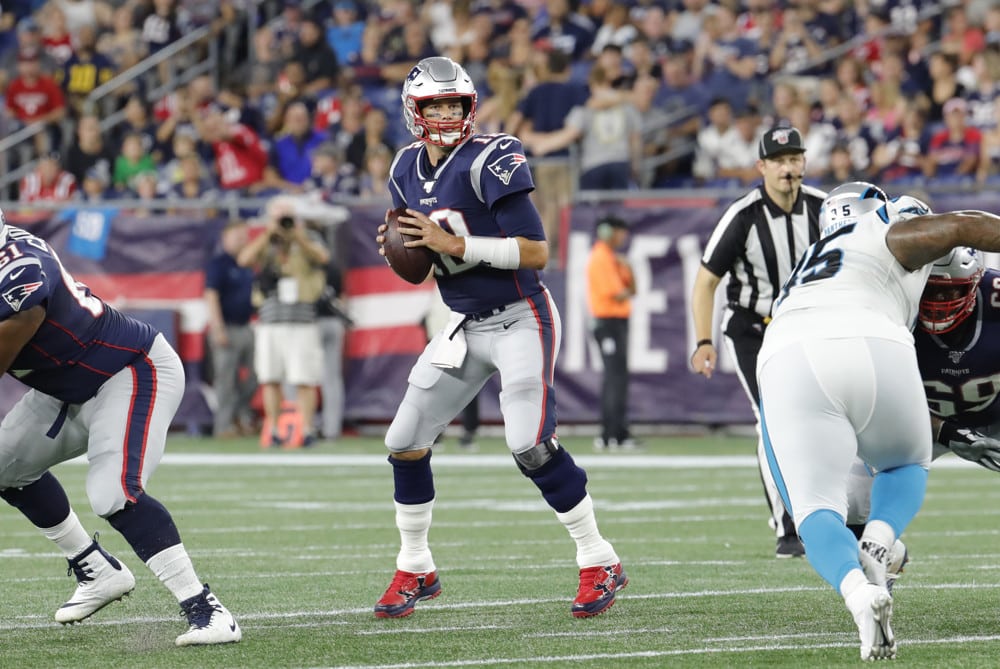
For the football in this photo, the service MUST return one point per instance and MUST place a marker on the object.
(411, 264)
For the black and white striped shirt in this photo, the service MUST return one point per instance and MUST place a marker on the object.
(758, 244)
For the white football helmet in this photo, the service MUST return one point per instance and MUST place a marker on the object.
(847, 203)
(439, 78)
(905, 207)
(950, 294)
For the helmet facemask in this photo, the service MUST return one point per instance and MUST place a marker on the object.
(950, 295)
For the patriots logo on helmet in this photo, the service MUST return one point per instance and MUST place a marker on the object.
(16, 296)
(414, 73)
(504, 167)
(780, 136)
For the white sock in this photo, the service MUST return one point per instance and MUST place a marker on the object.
(174, 569)
(880, 532)
(854, 580)
(68, 535)
(414, 523)
(592, 550)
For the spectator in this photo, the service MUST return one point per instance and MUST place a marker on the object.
(498, 110)
(344, 35)
(332, 176)
(138, 121)
(984, 101)
(290, 157)
(954, 151)
(989, 153)
(318, 60)
(85, 70)
(610, 288)
(564, 30)
(228, 289)
(165, 25)
(375, 175)
(800, 45)
(133, 160)
(193, 182)
(33, 97)
(885, 114)
(615, 29)
(685, 100)
(89, 151)
(144, 187)
(825, 107)
(842, 167)
(239, 156)
(185, 144)
(818, 138)
(123, 44)
(642, 61)
(48, 182)
(95, 185)
(414, 46)
(56, 39)
(850, 75)
(725, 150)
(289, 280)
(688, 23)
(374, 133)
(959, 37)
(366, 65)
(944, 87)
(902, 156)
(94, 14)
(611, 145)
(28, 38)
(543, 110)
(854, 133)
(726, 62)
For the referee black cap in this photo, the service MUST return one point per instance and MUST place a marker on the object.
(779, 140)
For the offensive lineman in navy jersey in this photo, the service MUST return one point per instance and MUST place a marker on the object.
(105, 385)
(467, 199)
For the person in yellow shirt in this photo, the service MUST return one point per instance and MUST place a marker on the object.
(610, 287)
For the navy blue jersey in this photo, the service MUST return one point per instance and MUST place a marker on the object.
(82, 341)
(459, 195)
(963, 383)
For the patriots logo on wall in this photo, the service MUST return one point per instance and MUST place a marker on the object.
(16, 296)
(504, 167)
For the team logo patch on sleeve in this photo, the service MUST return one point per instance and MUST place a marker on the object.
(16, 296)
(504, 167)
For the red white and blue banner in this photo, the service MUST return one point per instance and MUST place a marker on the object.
(153, 266)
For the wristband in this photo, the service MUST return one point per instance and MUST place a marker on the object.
(950, 432)
(702, 342)
(499, 253)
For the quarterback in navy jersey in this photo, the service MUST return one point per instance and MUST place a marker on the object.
(105, 385)
(467, 199)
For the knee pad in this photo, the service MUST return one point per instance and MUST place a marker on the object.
(537, 456)
(562, 482)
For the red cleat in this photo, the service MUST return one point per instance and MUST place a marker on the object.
(405, 591)
(598, 586)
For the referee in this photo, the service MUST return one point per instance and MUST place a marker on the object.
(757, 242)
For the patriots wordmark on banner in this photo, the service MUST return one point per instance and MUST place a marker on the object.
(504, 167)
(16, 296)
(955, 356)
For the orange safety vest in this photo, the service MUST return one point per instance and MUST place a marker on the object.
(607, 276)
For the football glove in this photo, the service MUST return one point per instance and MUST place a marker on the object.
(971, 445)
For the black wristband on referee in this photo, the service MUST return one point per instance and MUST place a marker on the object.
(702, 342)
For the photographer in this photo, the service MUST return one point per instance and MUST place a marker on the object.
(290, 261)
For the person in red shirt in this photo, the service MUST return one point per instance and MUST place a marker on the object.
(240, 157)
(34, 97)
(49, 181)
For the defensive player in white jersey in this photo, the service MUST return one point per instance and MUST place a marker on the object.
(838, 379)
(104, 385)
(467, 198)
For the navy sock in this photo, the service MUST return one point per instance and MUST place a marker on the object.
(413, 480)
(146, 526)
(43, 502)
(562, 482)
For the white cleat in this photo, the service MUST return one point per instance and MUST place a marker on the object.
(871, 607)
(101, 579)
(209, 621)
(874, 558)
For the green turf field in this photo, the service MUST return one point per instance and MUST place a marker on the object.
(299, 545)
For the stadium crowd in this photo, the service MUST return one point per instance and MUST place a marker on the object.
(897, 91)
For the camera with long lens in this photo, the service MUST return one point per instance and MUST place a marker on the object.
(286, 222)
